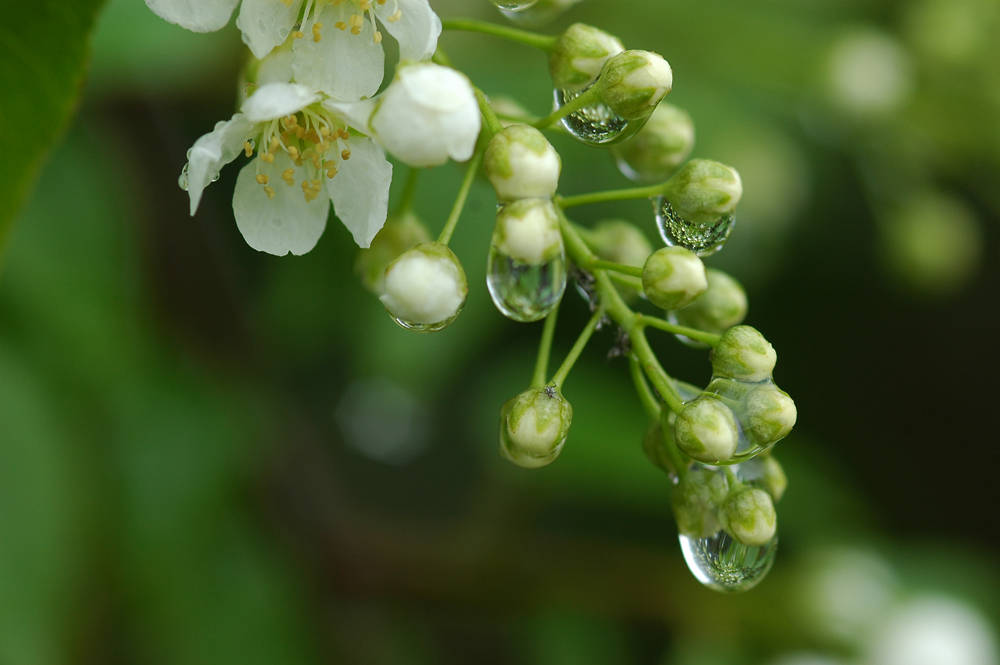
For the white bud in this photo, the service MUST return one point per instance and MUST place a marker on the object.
(528, 231)
(771, 414)
(703, 191)
(743, 354)
(722, 306)
(522, 164)
(748, 515)
(673, 277)
(425, 288)
(632, 83)
(579, 55)
(534, 426)
(659, 148)
(706, 430)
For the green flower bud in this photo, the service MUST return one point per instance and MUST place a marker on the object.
(706, 430)
(747, 514)
(522, 164)
(534, 426)
(722, 306)
(619, 241)
(579, 55)
(703, 191)
(659, 148)
(632, 83)
(695, 500)
(673, 277)
(770, 413)
(528, 231)
(774, 480)
(743, 354)
(425, 287)
(400, 233)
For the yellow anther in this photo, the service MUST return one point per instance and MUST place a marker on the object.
(248, 148)
(345, 155)
(266, 157)
(262, 179)
(298, 34)
(317, 162)
(300, 132)
(315, 30)
(288, 175)
(395, 16)
(273, 146)
(269, 191)
(381, 2)
(293, 152)
(331, 172)
(343, 133)
(356, 21)
(287, 3)
(325, 131)
(290, 122)
(378, 37)
(340, 25)
(365, 5)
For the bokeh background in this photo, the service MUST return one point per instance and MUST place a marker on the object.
(211, 455)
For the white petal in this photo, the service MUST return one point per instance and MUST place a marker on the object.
(417, 30)
(286, 223)
(266, 24)
(357, 114)
(360, 191)
(210, 153)
(276, 100)
(196, 15)
(275, 68)
(345, 66)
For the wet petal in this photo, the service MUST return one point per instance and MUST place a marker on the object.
(195, 15)
(360, 191)
(210, 153)
(276, 100)
(282, 224)
(345, 66)
(266, 23)
(417, 29)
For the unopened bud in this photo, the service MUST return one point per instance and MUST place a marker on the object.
(722, 305)
(770, 413)
(654, 445)
(703, 191)
(528, 231)
(659, 148)
(706, 430)
(774, 480)
(632, 83)
(579, 54)
(522, 164)
(748, 515)
(673, 277)
(534, 426)
(425, 287)
(743, 354)
(695, 500)
(400, 233)
(619, 241)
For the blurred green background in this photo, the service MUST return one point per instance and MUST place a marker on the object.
(211, 455)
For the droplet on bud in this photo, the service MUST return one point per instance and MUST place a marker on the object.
(425, 288)
(698, 206)
(510, 6)
(533, 12)
(702, 239)
(594, 125)
(720, 562)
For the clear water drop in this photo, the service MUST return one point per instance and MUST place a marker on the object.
(593, 125)
(721, 563)
(736, 394)
(523, 291)
(702, 239)
(509, 6)
(426, 327)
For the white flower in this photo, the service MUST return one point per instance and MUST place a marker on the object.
(305, 158)
(427, 114)
(338, 45)
(425, 287)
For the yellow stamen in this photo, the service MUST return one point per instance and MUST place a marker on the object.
(396, 16)
(378, 37)
(315, 30)
(262, 179)
(248, 148)
(340, 25)
(298, 34)
(270, 192)
(288, 175)
(345, 155)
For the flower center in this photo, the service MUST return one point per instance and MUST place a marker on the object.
(352, 16)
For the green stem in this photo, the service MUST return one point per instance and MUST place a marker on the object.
(463, 194)
(545, 350)
(613, 195)
(543, 42)
(409, 191)
(633, 283)
(698, 335)
(574, 353)
(651, 365)
(598, 264)
(492, 121)
(589, 97)
(652, 407)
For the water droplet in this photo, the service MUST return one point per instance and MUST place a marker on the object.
(702, 239)
(523, 291)
(736, 394)
(426, 327)
(506, 6)
(593, 125)
(532, 13)
(721, 563)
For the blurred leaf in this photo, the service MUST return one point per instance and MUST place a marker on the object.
(43, 47)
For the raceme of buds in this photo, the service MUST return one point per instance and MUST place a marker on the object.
(706, 430)
(579, 54)
(770, 413)
(703, 191)
(743, 354)
(619, 241)
(659, 148)
(528, 231)
(695, 499)
(522, 164)
(425, 287)
(534, 427)
(747, 514)
(632, 83)
(722, 305)
(400, 233)
(673, 277)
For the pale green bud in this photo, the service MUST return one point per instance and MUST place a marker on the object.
(770, 413)
(528, 231)
(703, 191)
(722, 306)
(653, 446)
(673, 277)
(632, 83)
(706, 430)
(579, 55)
(425, 287)
(774, 480)
(400, 233)
(743, 354)
(748, 515)
(695, 500)
(534, 427)
(659, 148)
(522, 164)
(620, 241)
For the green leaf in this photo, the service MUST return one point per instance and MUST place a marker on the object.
(43, 56)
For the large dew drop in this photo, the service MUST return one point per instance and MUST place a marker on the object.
(424, 327)
(749, 403)
(593, 125)
(512, 7)
(522, 291)
(702, 239)
(721, 563)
